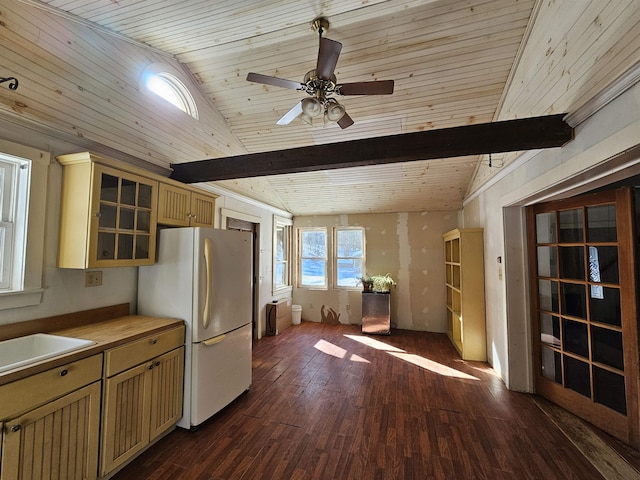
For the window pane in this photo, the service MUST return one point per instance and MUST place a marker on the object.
(109, 188)
(549, 329)
(106, 246)
(125, 247)
(574, 300)
(548, 295)
(607, 347)
(279, 274)
(609, 390)
(576, 376)
(601, 223)
(144, 195)
(313, 272)
(605, 305)
(142, 246)
(127, 216)
(143, 221)
(314, 244)
(546, 227)
(108, 214)
(349, 243)
(280, 244)
(551, 365)
(128, 193)
(547, 262)
(603, 264)
(349, 271)
(572, 262)
(575, 338)
(570, 223)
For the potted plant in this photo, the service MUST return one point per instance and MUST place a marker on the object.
(367, 283)
(382, 283)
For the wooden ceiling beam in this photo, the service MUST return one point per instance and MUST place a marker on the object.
(496, 137)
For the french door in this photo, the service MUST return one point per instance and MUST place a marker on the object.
(585, 329)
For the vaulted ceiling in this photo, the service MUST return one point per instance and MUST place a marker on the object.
(454, 63)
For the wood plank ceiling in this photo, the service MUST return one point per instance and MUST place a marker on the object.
(453, 62)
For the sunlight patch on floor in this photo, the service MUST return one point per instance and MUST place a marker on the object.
(417, 360)
(371, 342)
(432, 366)
(338, 352)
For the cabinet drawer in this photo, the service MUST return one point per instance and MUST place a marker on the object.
(121, 358)
(27, 393)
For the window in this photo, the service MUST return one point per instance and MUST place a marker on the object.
(349, 256)
(158, 79)
(348, 265)
(281, 253)
(23, 187)
(313, 257)
(14, 178)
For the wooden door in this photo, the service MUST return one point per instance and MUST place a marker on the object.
(125, 430)
(582, 266)
(58, 441)
(166, 391)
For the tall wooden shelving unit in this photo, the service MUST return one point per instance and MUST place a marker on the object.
(464, 283)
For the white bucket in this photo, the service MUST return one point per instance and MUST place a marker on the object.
(296, 314)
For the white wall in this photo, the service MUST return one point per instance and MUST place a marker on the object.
(581, 165)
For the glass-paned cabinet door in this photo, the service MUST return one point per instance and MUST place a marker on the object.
(125, 208)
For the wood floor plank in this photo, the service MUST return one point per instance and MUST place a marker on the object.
(330, 403)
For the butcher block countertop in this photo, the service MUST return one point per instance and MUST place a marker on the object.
(107, 334)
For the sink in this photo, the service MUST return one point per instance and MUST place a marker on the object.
(21, 351)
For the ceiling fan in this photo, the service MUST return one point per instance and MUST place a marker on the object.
(321, 84)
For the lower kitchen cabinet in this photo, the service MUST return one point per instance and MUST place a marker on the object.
(143, 401)
(57, 439)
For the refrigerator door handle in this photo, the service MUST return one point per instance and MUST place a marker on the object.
(214, 340)
(208, 259)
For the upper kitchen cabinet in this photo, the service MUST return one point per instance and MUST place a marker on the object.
(108, 215)
(181, 206)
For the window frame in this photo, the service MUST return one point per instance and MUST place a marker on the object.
(300, 232)
(336, 257)
(286, 226)
(28, 248)
(174, 80)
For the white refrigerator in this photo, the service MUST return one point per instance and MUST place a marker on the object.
(204, 276)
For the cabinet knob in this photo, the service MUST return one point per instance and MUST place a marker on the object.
(153, 341)
(150, 367)
(157, 364)
(63, 372)
(98, 214)
(15, 428)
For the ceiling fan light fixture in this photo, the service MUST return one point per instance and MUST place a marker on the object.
(334, 111)
(306, 119)
(312, 107)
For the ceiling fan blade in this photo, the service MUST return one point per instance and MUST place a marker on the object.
(275, 81)
(381, 87)
(328, 54)
(291, 115)
(345, 121)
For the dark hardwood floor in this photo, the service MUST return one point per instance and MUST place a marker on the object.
(329, 403)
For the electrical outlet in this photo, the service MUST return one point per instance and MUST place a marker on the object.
(93, 278)
(348, 307)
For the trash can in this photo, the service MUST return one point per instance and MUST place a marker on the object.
(296, 314)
